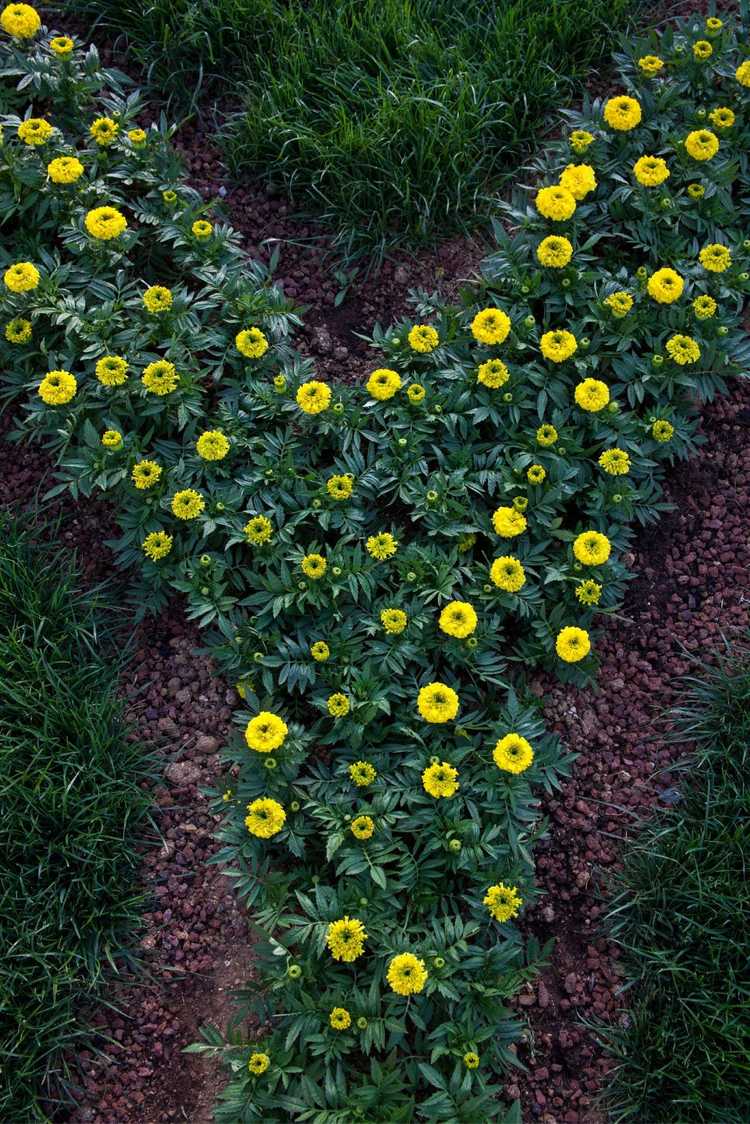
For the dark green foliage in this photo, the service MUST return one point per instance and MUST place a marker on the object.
(70, 808)
(683, 916)
(390, 119)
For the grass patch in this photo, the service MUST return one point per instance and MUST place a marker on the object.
(682, 915)
(70, 807)
(391, 119)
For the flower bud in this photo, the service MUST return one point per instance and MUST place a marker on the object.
(258, 657)
(270, 762)
(205, 559)
(507, 397)
(205, 591)
(294, 971)
(530, 321)
(438, 962)
(657, 360)
(455, 845)
(411, 576)
(294, 806)
(362, 1023)
(338, 407)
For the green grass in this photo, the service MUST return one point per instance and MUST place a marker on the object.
(682, 915)
(70, 810)
(391, 120)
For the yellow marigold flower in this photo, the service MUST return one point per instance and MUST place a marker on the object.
(313, 397)
(415, 393)
(61, 45)
(619, 303)
(466, 542)
(490, 326)
(265, 732)
(702, 50)
(592, 395)
(137, 137)
(340, 487)
(187, 504)
(157, 298)
(20, 20)
(346, 939)
(265, 818)
(556, 203)
(35, 131)
(557, 346)
(704, 307)
(314, 566)
(651, 171)
(258, 1064)
(362, 773)
(104, 130)
(592, 548)
(252, 343)
(437, 703)
(665, 286)
(65, 169)
(381, 546)
(407, 974)
(650, 65)
(722, 117)
(394, 621)
(615, 461)
(546, 435)
(337, 705)
(622, 113)
(169, 196)
(683, 349)
(503, 902)
(458, 619)
(383, 384)
(508, 574)
(580, 139)
(362, 827)
(112, 370)
(111, 439)
(696, 190)
(508, 522)
(18, 330)
(713, 25)
(21, 277)
(212, 445)
(493, 373)
(258, 530)
(160, 377)
(662, 430)
(157, 545)
(202, 229)
(572, 644)
(57, 388)
(742, 73)
(702, 144)
(105, 223)
(536, 474)
(554, 251)
(423, 337)
(513, 754)
(588, 592)
(440, 780)
(340, 1019)
(320, 651)
(145, 474)
(471, 1060)
(715, 257)
(579, 180)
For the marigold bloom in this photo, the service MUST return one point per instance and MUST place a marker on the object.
(536, 474)
(157, 298)
(337, 705)
(20, 20)
(252, 343)
(546, 435)
(137, 137)
(105, 223)
(265, 732)
(589, 592)
(503, 902)
(415, 393)
(65, 169)
(313, 397)
(423, 338)
(383, 384)
(258, 1064)
(554, 251)
(458, 619)
(340, 487)
(201, 229)
(579, 180)
(437, 703)
(340, 1019)
(471, 1060)
(508, 522)
(18, 330)
(622, 113)
(362, 827)
(111, 439)
(440, 780)
(61, 45)
(722, 117)
(362, 773)
(493, 374)
(160, 377)
(258, 530)
(696, 190)
(314, 566)
(683, 349)
(592, 395)
(508, 574)
(265, 818)
(21, 277)
(212, 445)
(702, 144)
(104, 130)
(572, 644)
(346, 939)
(592, 548)
(187, 504)
(742, 73)
(615, 461)
(381, 546)
(145, 474)
(490, 326)
(393, 621)
(651, 171)
(157, 545)
(650, 65)
(715, 257)
(665, 286)
(557, 346)
(704, 307)
(513, 754)
(580, 139)
(407, 974)
(320, 651)
(662, 430)
(57, 388)
(702, 50)
(619, 303)
(35, 131)
(556, 203)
